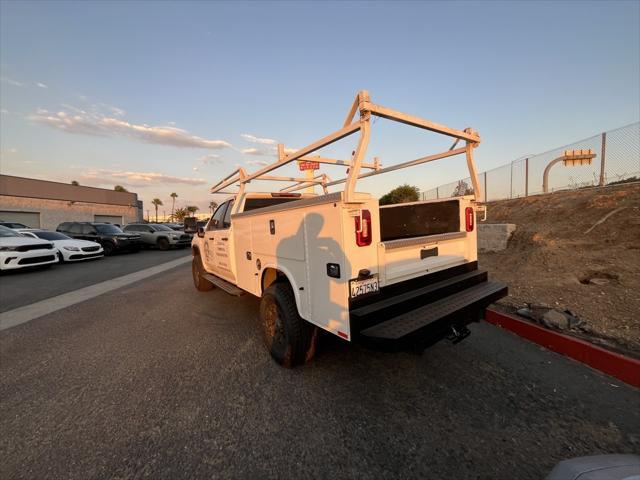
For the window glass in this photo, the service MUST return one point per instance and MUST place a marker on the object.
(87, 229)
(227, 216)
(106, 228)
(255, 203)
(216, 220)
(75, 228)
(7, 232)
(51, 235)
(131, 228)
(161, 228)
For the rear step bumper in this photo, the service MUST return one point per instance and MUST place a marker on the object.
(426, 315)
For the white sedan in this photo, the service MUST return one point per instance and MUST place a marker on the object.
(69, 249)
(17, 251)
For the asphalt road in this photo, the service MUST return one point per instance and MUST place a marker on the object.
(26, 286)
(158, 381)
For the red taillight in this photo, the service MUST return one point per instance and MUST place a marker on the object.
(468, 219)
(363, 229)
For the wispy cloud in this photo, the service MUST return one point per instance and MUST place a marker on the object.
(257, 163)
(137, 179)
(11, 81)
(256, 151)
(78, 121)
(211, 158)
(254, 139)
(41, 85)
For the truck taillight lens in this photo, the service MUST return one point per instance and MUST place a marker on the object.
(363, 228)
(469, 219)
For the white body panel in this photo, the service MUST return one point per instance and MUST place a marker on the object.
(299, 239)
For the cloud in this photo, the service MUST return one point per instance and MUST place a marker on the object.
(41, 85)
(77, 121)
(11, 81)
(257, 163)
(211, 158)
(137, 179)
(255, 151)
(254, 139)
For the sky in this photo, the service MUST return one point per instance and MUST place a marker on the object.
(165, 97)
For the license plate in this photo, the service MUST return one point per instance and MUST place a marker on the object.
(359, 288)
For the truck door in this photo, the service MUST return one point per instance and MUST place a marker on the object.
(212, 227)
(223, 243)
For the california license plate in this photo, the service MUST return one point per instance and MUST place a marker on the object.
(359, 288)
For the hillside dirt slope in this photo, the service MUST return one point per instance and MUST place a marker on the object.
(552, 261)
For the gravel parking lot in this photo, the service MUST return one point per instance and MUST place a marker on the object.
(158, 380)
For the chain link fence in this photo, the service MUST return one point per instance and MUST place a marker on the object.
(617, 160)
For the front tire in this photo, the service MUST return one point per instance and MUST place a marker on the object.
(197, 270)
(109, 248)
(290, 339)
(163, 244)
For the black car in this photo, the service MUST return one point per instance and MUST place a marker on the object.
(111, 237)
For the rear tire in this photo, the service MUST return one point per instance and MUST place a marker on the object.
(163, 244)
(197, 271)
(290, 339)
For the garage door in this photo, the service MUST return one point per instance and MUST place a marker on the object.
(108, 219)
(30, 219)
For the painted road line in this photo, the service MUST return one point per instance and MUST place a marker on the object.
(619, 366)
(27, 313)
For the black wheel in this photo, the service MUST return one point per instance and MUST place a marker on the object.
(197, 270)
(60, 258)
(109, 248)
(163, 244)
(290, 339)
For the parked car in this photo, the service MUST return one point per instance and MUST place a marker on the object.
(179, 227)
(112, 238)
(69, 249)
(159, 235)
(17, 251)
(13, 225)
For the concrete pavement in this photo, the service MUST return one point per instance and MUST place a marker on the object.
(158, 380)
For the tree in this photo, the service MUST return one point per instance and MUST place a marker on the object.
(180, 214)
(173, 196)
(156, 202)
(212, 206)
(192, 209)
(75, 183)
(120, 188)
(462, 188)
(402, 194)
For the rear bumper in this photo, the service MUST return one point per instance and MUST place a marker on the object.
(421, 313)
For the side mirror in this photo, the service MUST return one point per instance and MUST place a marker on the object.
(201, 232)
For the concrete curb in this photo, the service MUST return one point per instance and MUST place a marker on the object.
(623, 368)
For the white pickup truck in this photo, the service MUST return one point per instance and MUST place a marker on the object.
(391, 276)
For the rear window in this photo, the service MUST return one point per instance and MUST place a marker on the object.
(255, 203)
(107, 228)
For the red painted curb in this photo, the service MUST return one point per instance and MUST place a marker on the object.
(623, 368)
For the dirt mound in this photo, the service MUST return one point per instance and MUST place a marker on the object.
(576, 250)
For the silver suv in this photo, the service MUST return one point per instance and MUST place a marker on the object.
(159, 235)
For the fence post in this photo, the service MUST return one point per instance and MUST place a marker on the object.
(511, 183)
(437, 193)
(526, 177)
(485, 188)
(602, 158)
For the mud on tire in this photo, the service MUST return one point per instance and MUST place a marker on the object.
(197, 271)
(290, 339)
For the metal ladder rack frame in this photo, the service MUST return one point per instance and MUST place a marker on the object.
(362, 105)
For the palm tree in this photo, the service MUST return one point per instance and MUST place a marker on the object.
(192, 209)
(212, 206)
(180, 214)
(173, 196)
(120, 188)
(156, 202)
(75, 183)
